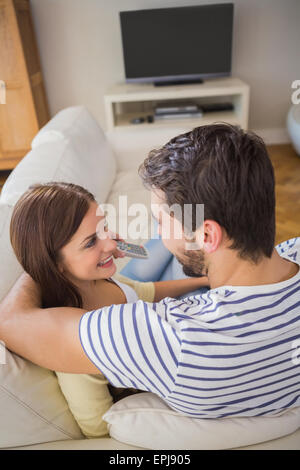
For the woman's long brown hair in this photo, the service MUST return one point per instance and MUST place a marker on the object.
(43, 221)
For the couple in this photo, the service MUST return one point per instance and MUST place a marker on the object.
(226, 352)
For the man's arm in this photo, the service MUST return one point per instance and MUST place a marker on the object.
(48, 337)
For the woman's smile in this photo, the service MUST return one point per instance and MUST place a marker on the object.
(106, 263)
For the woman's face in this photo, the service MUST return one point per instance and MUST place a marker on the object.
(87, 256)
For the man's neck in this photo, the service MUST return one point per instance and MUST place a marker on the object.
(226, 268)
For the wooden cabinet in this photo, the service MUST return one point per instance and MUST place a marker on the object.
(25, 109)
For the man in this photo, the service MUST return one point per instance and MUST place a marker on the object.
(228, 352)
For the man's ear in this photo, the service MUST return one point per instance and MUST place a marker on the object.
(212, 236)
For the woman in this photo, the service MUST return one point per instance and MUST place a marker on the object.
(54, 233)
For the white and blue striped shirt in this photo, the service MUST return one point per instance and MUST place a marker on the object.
(228, 352)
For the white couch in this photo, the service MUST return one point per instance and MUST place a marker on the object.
(33, 412)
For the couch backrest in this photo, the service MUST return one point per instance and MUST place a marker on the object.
(72, 148)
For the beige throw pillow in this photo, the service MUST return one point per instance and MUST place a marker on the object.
(145, 420)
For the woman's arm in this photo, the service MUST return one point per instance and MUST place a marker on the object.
(178, 287)
(47, 337)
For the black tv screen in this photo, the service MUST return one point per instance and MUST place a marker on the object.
(171, 44)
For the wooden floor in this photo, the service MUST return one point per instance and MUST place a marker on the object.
(287, 173)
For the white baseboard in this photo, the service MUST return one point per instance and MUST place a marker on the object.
(274, 136)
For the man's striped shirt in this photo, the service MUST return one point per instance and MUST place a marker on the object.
(233, 351)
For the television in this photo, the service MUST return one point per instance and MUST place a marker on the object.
(183, 44)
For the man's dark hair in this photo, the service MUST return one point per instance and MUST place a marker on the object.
(230, 172)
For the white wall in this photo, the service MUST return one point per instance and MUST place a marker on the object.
(81, 53)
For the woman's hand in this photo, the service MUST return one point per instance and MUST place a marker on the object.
(194, 283)
(178, 287)
(203, 281)
(117, 253)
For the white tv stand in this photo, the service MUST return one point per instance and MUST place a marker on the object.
(125, 102)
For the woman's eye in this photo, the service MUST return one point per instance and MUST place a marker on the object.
(91, 243)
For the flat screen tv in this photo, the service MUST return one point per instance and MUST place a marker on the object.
(184, 44)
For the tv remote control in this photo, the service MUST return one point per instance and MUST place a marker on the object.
(132, 250)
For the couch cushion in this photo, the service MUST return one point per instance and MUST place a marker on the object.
(72, 148)
(289, 442)
(145, 420)
(102, 443)
(32, 407)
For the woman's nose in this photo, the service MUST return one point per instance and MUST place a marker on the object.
(109, 244)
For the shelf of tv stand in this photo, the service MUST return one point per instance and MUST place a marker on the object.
(123, 122)
(125, 102)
